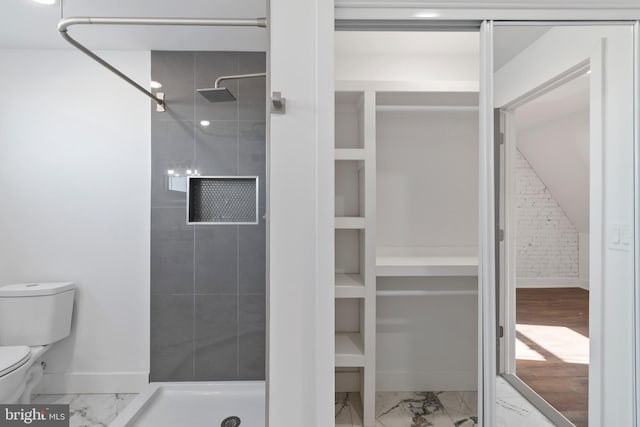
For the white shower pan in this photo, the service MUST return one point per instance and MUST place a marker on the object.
(196, 404)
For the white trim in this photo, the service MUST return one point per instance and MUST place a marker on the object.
(550, 282)
(93, 382)
(636, 81)
(510, 259)
(596, 232)
(486, 238)
(487, 5)
(546, 13)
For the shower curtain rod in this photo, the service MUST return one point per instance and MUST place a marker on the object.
(64, 24)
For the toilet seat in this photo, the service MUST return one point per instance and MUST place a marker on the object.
(12, 357)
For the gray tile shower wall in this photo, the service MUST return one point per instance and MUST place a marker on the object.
(207, 281)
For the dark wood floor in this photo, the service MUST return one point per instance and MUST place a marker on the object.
(561, 383)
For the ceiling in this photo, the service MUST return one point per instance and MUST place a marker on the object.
(508, 41)
(29, 25)
(567, 99)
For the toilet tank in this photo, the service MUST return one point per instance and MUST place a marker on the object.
(35, 313)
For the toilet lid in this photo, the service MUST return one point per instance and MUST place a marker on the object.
(12, 357)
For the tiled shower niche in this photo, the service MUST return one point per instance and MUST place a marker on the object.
(222, 200)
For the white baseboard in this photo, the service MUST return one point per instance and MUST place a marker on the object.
(426, 381)
(545, 282)
(92, 382)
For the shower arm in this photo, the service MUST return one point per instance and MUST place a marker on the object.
(236, 77)
(64, 24)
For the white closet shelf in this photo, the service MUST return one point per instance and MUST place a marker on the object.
(349, 350)
(349, 286)
(427, 108)
(349, 154)
(349, 222)
(421, 261)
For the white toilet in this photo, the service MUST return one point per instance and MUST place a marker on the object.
(32, 317)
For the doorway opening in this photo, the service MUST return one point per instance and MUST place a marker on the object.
(552, 243)
(546, 197)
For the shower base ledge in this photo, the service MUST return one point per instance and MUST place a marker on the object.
(195, 404)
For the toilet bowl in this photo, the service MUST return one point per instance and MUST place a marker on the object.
(32, 317)
(20, 372)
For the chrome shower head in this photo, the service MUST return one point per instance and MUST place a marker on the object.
(217, 94)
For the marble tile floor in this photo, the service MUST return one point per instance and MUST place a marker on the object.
(88, 410)
(405, 409)
(411, 409)
(514, 410)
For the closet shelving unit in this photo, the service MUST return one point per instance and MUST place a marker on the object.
(355, 245)
(387, 227)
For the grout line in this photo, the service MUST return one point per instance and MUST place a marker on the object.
(194, 227)
(238, 227)
(217, 121)
(250, 294)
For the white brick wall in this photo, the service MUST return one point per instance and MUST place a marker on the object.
(547, 242)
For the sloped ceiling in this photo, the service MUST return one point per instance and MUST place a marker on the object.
(509, 41)
(29, 25)
(553, 135)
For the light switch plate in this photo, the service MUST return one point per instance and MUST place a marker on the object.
(619, 237)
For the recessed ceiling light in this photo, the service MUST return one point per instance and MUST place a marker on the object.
(49, 2)
(205, 123)
(155, 84)
(426, 14)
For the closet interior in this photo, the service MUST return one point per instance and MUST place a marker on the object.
(406, 214)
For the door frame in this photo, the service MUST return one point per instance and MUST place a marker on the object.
(507, 287)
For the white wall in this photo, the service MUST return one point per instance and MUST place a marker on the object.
(547, 241)
(417, 69)
(74, 189)
(427, 342)
(300, 158)
(427, 169)
(438, 61)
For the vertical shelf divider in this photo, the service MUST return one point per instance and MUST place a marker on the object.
(368, 391)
